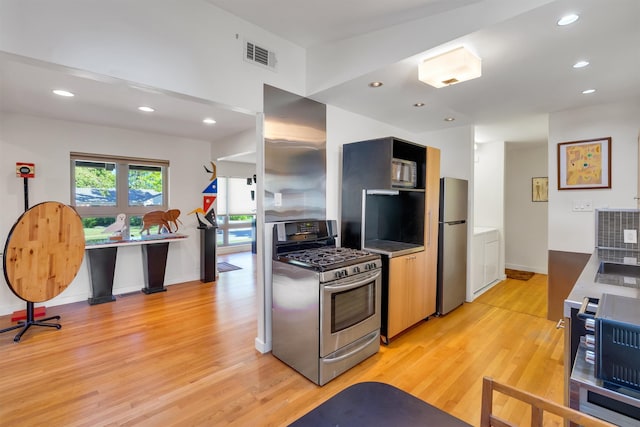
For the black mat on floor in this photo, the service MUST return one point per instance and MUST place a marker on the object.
(376, 404)
(225, 266)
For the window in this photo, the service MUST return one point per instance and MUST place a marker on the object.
(104, 186)
(236, 211)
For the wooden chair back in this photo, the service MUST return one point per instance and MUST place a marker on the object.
(538, 407)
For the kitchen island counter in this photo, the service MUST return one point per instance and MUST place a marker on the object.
(593, 284)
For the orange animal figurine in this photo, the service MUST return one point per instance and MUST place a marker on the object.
(162, 219)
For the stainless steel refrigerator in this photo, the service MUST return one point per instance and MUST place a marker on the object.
(452, 245)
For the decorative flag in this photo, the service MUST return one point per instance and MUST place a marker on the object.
(212, 188)
(207, 201)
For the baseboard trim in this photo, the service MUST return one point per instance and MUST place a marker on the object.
(261, 346)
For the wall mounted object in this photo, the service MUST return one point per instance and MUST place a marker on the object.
(540, 189)
(584, 164)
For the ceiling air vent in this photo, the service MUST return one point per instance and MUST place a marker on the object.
(259, 55)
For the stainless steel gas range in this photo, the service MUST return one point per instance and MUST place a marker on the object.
(326, 301)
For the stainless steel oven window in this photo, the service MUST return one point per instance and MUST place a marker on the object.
(351, 307)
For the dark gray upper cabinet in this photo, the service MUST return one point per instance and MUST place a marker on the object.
(369, 165)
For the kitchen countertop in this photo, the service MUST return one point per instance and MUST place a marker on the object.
(593, 284)
(482, 230)
(141, 240)
(391, 248)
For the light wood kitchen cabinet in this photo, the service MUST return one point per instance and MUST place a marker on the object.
(408, 297)
(398, 221)
(412, 278)
(432, 208)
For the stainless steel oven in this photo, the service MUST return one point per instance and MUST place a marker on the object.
(326, 301)
(605, 379)
(350, 309)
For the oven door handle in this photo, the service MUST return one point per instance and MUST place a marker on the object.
(588, 309)
(346, 284)
(373, 336)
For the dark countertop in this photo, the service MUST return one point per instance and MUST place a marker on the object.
(391, 248)
(593, 284)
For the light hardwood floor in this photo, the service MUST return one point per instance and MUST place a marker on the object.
(187, 357)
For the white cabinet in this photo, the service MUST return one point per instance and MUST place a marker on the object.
(486, 259)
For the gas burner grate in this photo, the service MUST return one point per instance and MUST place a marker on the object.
(326, 256)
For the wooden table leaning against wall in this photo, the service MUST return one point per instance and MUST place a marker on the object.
(101, 263)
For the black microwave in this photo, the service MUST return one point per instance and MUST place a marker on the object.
(403, 173)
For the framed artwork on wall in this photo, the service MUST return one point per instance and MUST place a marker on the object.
(540, 189)
(584, 164)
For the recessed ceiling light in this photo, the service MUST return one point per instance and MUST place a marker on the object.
(568, 19)
(449, 119)
(209, 121)
(588, 91)
(375, 84)
(580, 64)
(146, 109)
(419, 104)
(62, 92)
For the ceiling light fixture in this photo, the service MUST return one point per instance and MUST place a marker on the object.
(568, 19)
(419, 104)
(62, 92)
(146, 109)
(580, 64)
(375, 84)
(588, 91)
(209, 121)
(449, 119)
(457, 65)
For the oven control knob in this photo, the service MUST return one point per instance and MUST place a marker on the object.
(356, 269)
(590, 325)
(590, 341)
(590, 357)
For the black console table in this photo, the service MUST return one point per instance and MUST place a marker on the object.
(101, 262)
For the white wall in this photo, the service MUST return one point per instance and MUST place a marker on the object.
(235, 169)
(456, 152)
(186, 46)
(47, 143)
(488, 185)
(344, 127)
(526, 221)
(241, 143)
(488, 190)
(575, 231)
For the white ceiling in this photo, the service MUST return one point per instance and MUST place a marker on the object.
(527, 71)
(25, 87)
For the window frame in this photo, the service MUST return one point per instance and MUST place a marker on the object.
(224, 224)
(122, 185)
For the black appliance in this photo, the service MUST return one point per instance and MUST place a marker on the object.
(614, 347)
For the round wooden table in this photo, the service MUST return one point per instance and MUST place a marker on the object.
(42, 256)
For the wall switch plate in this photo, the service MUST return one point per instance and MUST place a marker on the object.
(582, 206)
(630, 236)
(277, 200)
